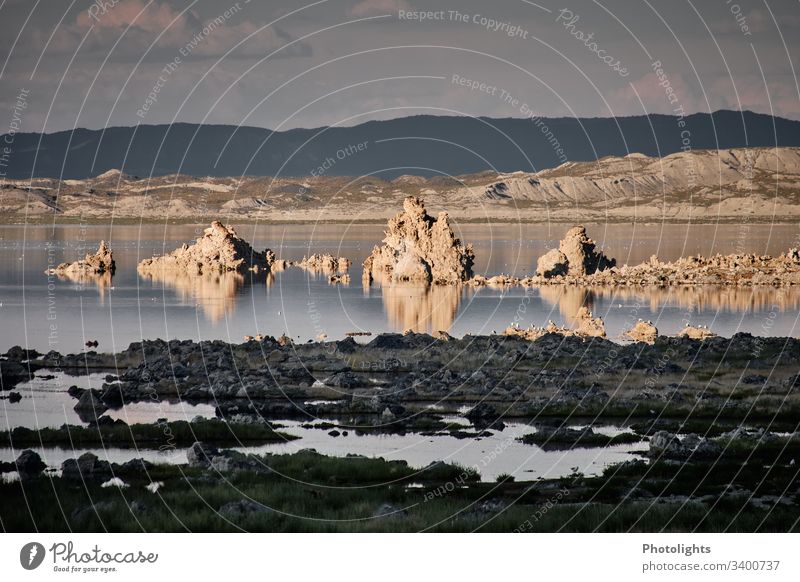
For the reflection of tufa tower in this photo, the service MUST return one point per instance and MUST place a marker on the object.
(569, 300)
(421, 308)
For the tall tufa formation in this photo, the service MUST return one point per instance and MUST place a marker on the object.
(575, 256)
(219, 250)
(99, 263)
(419, 248)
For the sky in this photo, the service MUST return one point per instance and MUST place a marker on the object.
(283, 64)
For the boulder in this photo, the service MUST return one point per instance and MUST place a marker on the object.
(29, 464)
(89, 405)
(552, 264)
(13, 373)
(696, 332)
(643, 331)
(420, 248)
(86, 467)
(669, 446)
(588, 326)
(201, 454)
(219, 250)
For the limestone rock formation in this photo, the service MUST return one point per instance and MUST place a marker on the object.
(552, 264)
(99, 263)
(420, 248)
(326, 263)
(643, 331)
(219, 249)
(696, 332)
(579, 251)
(587, 326)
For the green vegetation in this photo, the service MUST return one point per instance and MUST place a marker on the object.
(309, 492)
(569, 438)
(179, 432)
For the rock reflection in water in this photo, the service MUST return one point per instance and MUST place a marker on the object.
(215, 293)
(568, 299)
(716, 298)
(419, 307)
(101, 282)
(653, 300)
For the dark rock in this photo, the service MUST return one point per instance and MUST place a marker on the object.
(87, 467)
(90, 401)
(12, 373)
(484, 415)
(200, 454)
(20, 354)
(134, 466)
(29, 464)
(343, 380)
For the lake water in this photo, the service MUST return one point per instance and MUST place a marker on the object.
(51, 313)
(45, 403)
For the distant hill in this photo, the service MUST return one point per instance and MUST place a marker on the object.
(752, 184)
(419, 145)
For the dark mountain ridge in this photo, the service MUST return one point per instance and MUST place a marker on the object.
(424, 145)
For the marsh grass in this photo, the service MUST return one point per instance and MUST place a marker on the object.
(309, 492)
(179, 432)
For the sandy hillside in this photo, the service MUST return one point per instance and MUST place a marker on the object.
(759, 184)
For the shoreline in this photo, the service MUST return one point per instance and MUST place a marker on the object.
(713, 412)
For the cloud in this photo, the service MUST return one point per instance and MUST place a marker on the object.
(658, 95)
(132, 27)
(375, 7)
(152, 17)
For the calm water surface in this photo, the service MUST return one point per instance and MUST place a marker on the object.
(61, 314)
(45, 404)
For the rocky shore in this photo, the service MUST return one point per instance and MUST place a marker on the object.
(714, 421)
(394, 379)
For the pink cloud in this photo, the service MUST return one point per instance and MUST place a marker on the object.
(152, 16)
(653, 92)
(373, 7)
